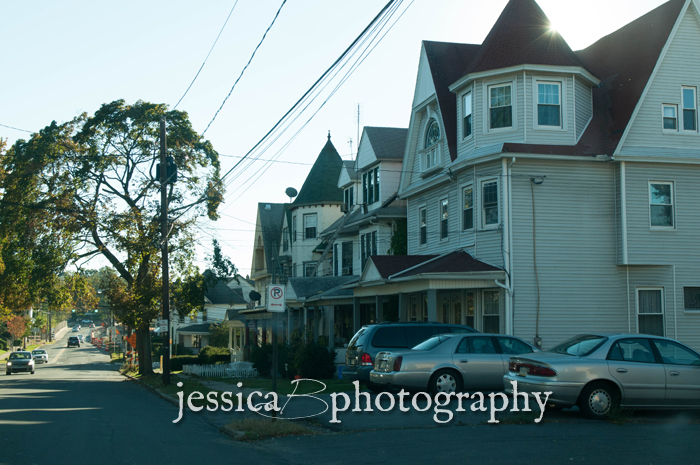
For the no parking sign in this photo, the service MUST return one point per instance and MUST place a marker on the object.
(275, 298)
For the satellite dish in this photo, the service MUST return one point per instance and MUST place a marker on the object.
(291, 192)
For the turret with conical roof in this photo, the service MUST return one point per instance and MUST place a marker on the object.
(321, 185)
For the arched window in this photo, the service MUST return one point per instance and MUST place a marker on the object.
(432, 135)
(431, 156)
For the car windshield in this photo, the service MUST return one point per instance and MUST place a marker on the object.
(38, 352)
(579, 345)
(20, 356)
(431, 343)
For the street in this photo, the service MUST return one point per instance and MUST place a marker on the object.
(79, 408)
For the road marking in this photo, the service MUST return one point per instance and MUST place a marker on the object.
(59, 354)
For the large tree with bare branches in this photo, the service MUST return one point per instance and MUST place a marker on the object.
(96, 176)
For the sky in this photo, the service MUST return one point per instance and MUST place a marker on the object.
(63, 58)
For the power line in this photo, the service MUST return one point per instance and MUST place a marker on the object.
(16, 129)
(246, 66)
(207, 57)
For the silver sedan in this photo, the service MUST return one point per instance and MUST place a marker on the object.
(600, 371)
(450, 363)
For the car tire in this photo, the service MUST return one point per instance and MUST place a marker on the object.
(597, 400)
(8, 373)
(32, 371)
(444, 381)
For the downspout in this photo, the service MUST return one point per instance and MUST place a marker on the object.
(629, 311)
(623, 212)
(675, 310)
(525, 108)
(510, 246)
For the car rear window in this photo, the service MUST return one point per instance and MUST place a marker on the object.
(431, 343)
(580, 346)
(390, 337)
(357, 340)
(417, 334)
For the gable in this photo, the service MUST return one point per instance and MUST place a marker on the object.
(425, 87)
(678, 66)
(365, 154)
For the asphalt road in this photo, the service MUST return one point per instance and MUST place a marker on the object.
(79, 409)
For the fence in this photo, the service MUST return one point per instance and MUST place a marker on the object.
(228, 370)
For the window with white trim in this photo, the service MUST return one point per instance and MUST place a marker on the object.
(691, 299)
(347, 258)
(336, 253)
(294, 228)
(690, 104)
(468, 208)
(467, 111)
(444, 219)
(423, 225)
(285, 239)
(309, 269)
(368, 246)
(370, 186)
(661, 201)
(489, 203)
(650, 311)
(431, 156)
(500, 106)
(670, 116)
(310, 223)
(549, 104)
(349, 197)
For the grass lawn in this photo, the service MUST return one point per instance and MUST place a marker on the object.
(285, 386)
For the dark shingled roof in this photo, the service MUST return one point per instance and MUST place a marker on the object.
(202, 328)
(387, 143)
(309, 287)
(222, 294)
(624, 61)
(447, 62)
(271, 227)
(522, 35)
(321, 185)
(455, 262)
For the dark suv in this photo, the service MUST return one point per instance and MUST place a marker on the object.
(371, 339)
(73, 341)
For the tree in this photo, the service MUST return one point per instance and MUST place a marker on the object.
(18, 326)
(98, 174)
(399, 238)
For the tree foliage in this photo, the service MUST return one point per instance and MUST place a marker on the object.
(18, 326)
(93, 179)
(399, 238)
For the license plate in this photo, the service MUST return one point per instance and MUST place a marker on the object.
(523, 371)
(382, 364)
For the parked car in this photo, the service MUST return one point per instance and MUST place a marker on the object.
(450, 363)
(371, 339)
(600, 371)
(20, 361)
(73, 341)
(40, 356)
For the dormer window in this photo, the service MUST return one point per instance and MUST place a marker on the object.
(501, 106)
(467, 110)
(431, 156)
(370, 186)
(549, 104)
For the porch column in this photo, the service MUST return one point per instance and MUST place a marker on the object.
(230, 342)
(403, 307)
(330, 317)
(305, 322)
(355, 314)
(264, 326)
(317, 319)
(379, 308)
(432, 305)
(289, 323)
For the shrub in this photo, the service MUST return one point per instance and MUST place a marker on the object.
(310, 359)
(178, 361)
(210, 355)
(181, 350)
(262, 359)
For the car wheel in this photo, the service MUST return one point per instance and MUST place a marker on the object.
(597, 400)
(445, 381)
(8, 373)
(32, 371)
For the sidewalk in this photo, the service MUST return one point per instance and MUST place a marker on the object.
(59, 334)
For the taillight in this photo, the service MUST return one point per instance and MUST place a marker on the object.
(366, 359)
(535, 370)
(397, 363)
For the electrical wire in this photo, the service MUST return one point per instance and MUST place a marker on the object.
(16, 129)
(207, 57)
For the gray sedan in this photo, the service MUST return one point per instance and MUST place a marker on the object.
(450, 363)
(602, 370)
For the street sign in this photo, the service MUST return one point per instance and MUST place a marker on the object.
(132, 340)
(276, 298)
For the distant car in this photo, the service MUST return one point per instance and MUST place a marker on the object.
(372, 339)
(82, 338)
(73, 341)
(20, 361)
(450, 363)
(92, 325)
(40, 356)
(600, 371)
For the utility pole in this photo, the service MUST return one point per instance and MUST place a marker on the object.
(275, 261)
(164, 244)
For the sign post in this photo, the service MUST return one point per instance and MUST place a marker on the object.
(275, 303)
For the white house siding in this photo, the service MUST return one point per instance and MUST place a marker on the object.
(302, 249)
(389, 177)
(417, 140)
(584, 106)
(581, 286)
(365, 154)
(680, 67)
(425, 87)
(564, 136)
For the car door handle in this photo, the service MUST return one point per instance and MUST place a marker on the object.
(622, 370)
(674, 373)
(464, 361)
